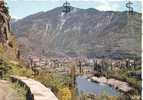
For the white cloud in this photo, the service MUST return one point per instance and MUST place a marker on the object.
(103, 5)
(16, 17)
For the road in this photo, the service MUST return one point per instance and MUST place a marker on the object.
(6, 92)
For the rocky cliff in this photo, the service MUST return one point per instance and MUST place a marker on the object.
(7, 40)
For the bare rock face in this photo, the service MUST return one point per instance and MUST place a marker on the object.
(4, 23)
(86, 32)
(7, 40)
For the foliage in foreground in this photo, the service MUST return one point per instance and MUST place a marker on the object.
(12, 69)
(51, 80)
(20, 90)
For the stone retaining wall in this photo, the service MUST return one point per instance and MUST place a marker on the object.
(36, 91)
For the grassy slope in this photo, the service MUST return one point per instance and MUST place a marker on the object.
(12, 66)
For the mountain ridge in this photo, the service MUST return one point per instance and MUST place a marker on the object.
(86, 32)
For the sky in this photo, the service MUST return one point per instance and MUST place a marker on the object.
(22, 8)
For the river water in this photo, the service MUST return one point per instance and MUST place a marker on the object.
(86, 86)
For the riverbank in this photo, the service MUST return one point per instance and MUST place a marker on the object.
(120, 85)
(89, 87)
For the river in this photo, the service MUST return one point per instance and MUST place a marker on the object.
(86, 86)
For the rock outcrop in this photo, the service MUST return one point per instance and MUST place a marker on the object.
(4, 23)
(7, 40)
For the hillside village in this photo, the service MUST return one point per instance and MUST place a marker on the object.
(45, 63)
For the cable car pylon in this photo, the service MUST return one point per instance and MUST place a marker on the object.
(66, 7)
(130, 9)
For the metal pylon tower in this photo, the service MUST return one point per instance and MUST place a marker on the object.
(66, 7)
(130, 8)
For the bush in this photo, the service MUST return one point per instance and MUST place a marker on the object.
(50, 80)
